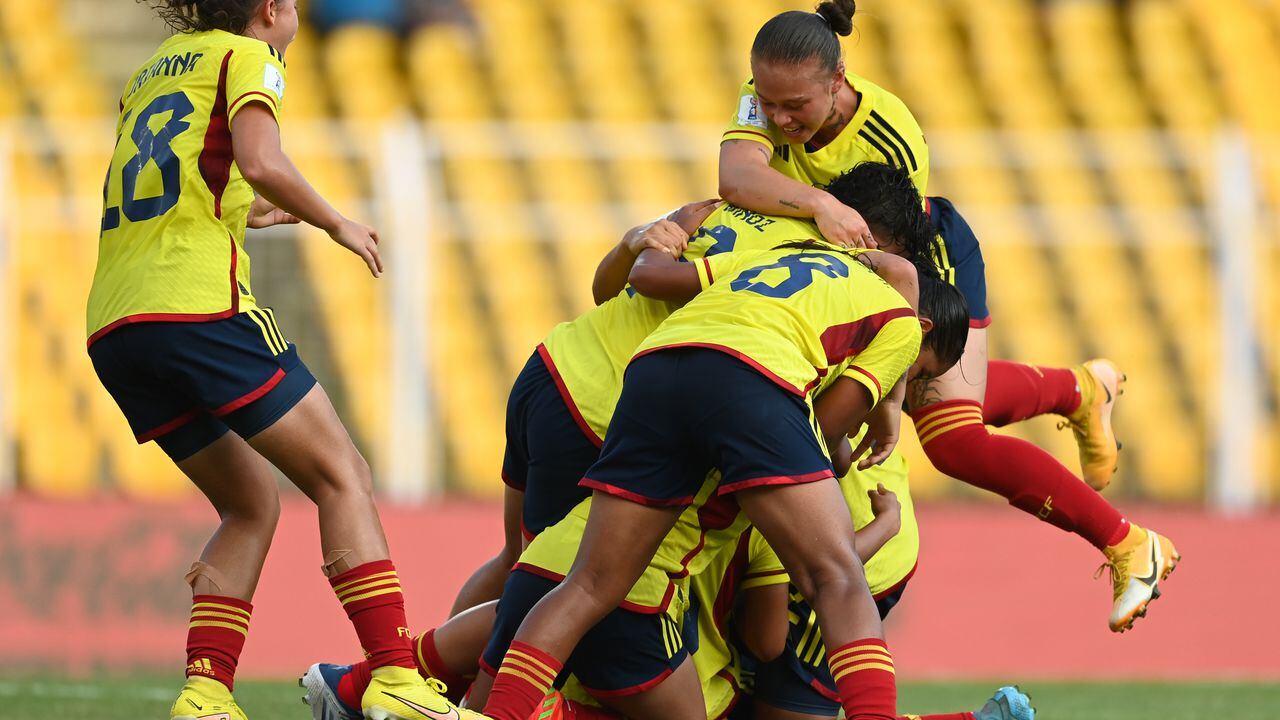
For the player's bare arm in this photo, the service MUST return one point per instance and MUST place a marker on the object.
(887, 522)
(883, 425)
(658, 275)
(747, 180)
(611, 274)
(762, 620)
(840, 410)
(255, 142)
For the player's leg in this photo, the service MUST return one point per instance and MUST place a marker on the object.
(620, 539)
(242, 489)
(949, 422)
(948, 417)
(136, 365)
(820, 556)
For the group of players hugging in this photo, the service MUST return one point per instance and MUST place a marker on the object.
(706, 515)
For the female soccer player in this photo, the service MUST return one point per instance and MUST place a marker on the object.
(803, 119)
(196, 364)
(723, 383)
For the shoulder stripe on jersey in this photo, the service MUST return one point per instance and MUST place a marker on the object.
(888, 157)
(878, 118)
(897, 151)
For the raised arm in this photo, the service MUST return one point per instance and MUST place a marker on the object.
(255, 144)
(611, 274)
(747, 180)
(658, 275)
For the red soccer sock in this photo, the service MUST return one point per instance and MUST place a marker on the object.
(526, 675)
(371, 596)
(430, 664)
(865, 680)
(945, 716)
(1016, 392)
(216, 636)
(352, 685)
(959, 445)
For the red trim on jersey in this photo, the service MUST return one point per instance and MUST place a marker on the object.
(979, 324)
(236, 102)
(711, 280)
(634, 497)
(625, 604)
(524, 532)
(874, 379)
(178, 317)
(848, 339)
(928, 207)
(898, 585)
(250, 397)
(737, 693)
(216, 157)
(775, 480)
(737, 354)
(568, 399)
(749, 132)
(633, 690)
(717, 513)
(168, 427)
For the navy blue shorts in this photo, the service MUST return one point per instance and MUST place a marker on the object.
(799, 679)
(185, 384)
(547, 453)
(959, 258)
(686, 411)
(625, 653)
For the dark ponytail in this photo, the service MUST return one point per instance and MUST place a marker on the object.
(794, 37)
(232, 16)
(944, 304)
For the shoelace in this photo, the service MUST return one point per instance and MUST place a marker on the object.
(437, 685)
(1119, 568)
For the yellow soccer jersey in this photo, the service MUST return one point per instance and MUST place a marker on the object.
(753, 564)
(172, 237)
(881, 130)
(588, 355)
(797, 316)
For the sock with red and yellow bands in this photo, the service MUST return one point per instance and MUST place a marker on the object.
(945, 716)
(523, 680)
(216, 636)
(371, 596)
(958, 444)
(865, 680)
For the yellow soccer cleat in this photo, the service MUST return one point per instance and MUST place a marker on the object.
(1101, 382)
(1138, 564)
(398, 693)
(205, 699)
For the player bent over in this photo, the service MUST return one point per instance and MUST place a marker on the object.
(724, 383)
(196, 364)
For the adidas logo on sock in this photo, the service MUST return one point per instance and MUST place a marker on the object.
(200, 666)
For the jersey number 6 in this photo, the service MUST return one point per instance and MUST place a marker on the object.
(152, 147)
(800, 271)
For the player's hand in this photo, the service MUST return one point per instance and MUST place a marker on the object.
(361, 240)
(884, 502)
(843, 225)
(691, 216)
(662, 235)
(263, 214)
(881, 437)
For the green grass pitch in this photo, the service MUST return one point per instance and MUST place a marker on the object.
(132, 699)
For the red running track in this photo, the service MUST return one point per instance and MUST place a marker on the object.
(998, 595)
